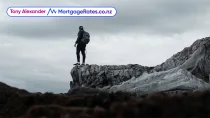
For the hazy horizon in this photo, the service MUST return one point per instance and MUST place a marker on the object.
(37, 54)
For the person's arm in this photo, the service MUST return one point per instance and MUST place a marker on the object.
(79, 37)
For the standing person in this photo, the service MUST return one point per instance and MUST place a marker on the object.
(80, 45)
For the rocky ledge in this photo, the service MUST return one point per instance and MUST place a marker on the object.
(187, 70)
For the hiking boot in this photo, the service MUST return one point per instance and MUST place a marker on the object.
(76, 64)
(83, 64)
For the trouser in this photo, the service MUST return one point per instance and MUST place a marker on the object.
(82, 49)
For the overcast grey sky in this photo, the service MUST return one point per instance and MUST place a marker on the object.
(37, 54)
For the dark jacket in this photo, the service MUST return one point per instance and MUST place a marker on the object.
(79, 37)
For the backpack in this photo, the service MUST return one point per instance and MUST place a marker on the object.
(85, 38)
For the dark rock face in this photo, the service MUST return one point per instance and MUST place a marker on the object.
(195, 59)
(95, 76)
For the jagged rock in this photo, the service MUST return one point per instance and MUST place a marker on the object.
(173, 79)
(198, 66)
(187, 70)
(100, 76)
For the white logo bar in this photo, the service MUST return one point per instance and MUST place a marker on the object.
(61, 11)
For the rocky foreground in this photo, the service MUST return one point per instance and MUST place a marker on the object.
(81, 103)
(177, 88)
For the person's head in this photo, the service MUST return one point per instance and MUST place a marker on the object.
(81, 28)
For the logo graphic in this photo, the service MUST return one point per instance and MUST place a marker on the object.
(60, 11)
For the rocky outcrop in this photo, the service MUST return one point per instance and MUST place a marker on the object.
(171, 80)
(96, 76)
(183, 70)
(199, 65)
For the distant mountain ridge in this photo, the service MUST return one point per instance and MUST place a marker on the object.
(4, 88)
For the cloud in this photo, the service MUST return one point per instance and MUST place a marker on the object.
(24, 63)
(161, 17)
